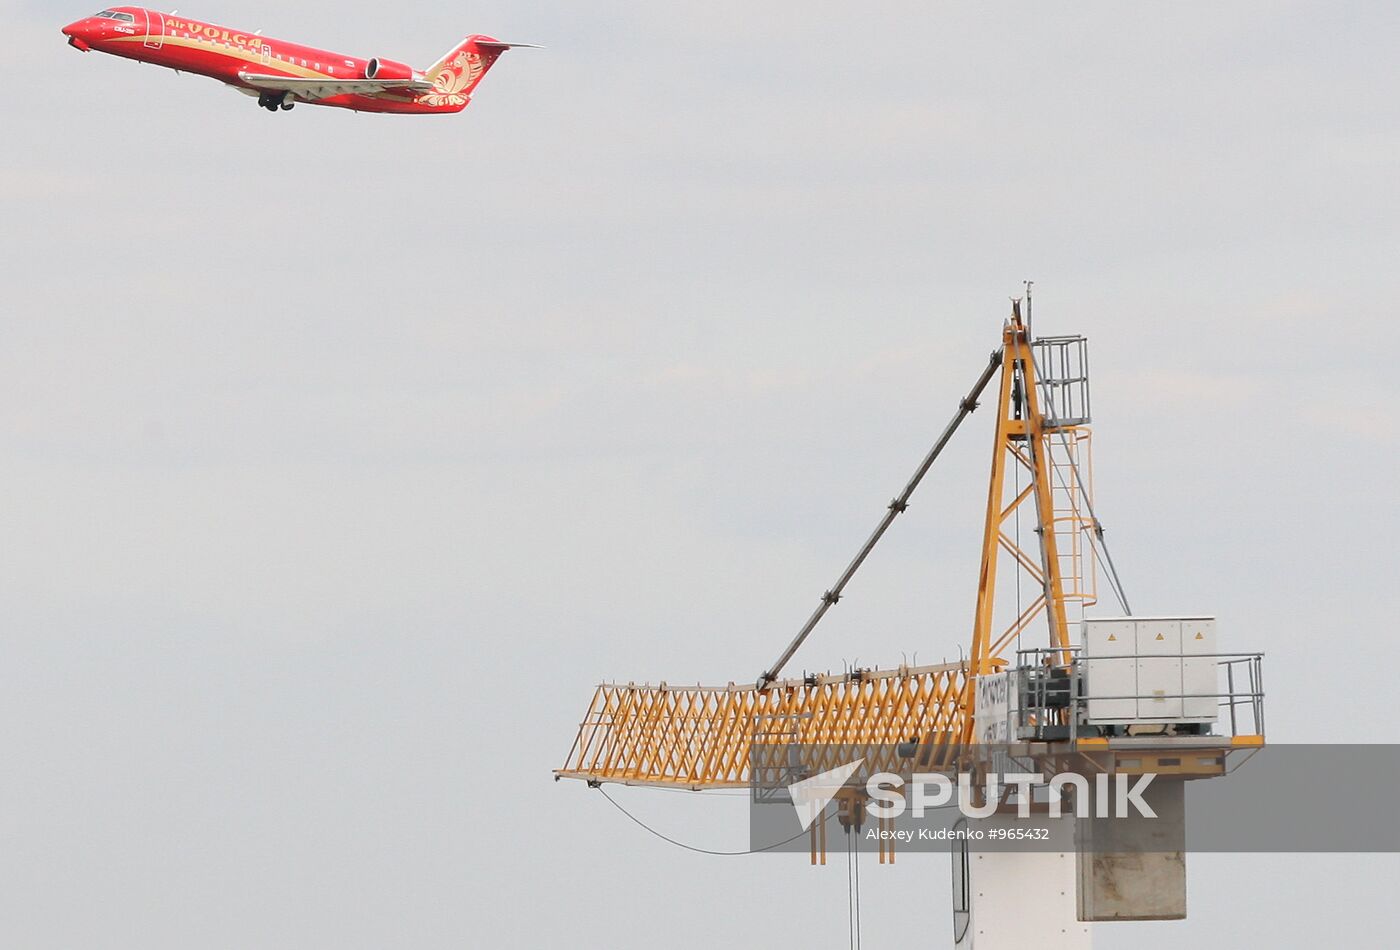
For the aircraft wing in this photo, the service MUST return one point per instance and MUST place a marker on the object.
(312, 89)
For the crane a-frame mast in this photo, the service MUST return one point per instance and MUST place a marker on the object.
(1021, 440)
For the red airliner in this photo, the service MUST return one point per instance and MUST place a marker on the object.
(282, 74)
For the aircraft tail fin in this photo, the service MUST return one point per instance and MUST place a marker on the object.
(456, 75)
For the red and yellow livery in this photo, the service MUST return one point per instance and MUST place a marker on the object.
(281, 74)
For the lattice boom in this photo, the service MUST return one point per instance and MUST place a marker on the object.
(700, 737)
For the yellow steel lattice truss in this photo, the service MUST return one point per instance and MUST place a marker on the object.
(698, 737)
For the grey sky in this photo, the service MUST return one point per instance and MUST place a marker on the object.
(343, 455)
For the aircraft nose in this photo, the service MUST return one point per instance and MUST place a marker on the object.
(84, 29)
(78, 33)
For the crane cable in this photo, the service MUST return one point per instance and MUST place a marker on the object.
(850, 894)
(699, 850)
(852, 858)
(1016, 470)
(853, 884)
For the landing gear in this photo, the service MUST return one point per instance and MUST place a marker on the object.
(272, 101)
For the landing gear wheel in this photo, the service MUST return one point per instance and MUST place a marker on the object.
(272, 101)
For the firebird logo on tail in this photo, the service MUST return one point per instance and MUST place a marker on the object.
(459, 74)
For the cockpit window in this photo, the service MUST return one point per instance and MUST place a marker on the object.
(106, 15)
(114, 15)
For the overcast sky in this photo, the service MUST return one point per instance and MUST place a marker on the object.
(344, 454)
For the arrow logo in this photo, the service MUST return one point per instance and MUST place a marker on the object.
(811, 795)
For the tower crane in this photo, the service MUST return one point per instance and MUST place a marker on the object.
(1119, 695)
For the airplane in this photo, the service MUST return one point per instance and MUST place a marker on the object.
(281, 74)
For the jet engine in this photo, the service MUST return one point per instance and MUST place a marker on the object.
(387, 69)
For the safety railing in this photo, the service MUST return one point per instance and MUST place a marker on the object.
(1062, 365)
(1054, 697)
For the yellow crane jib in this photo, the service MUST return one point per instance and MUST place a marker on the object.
(704, 737)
